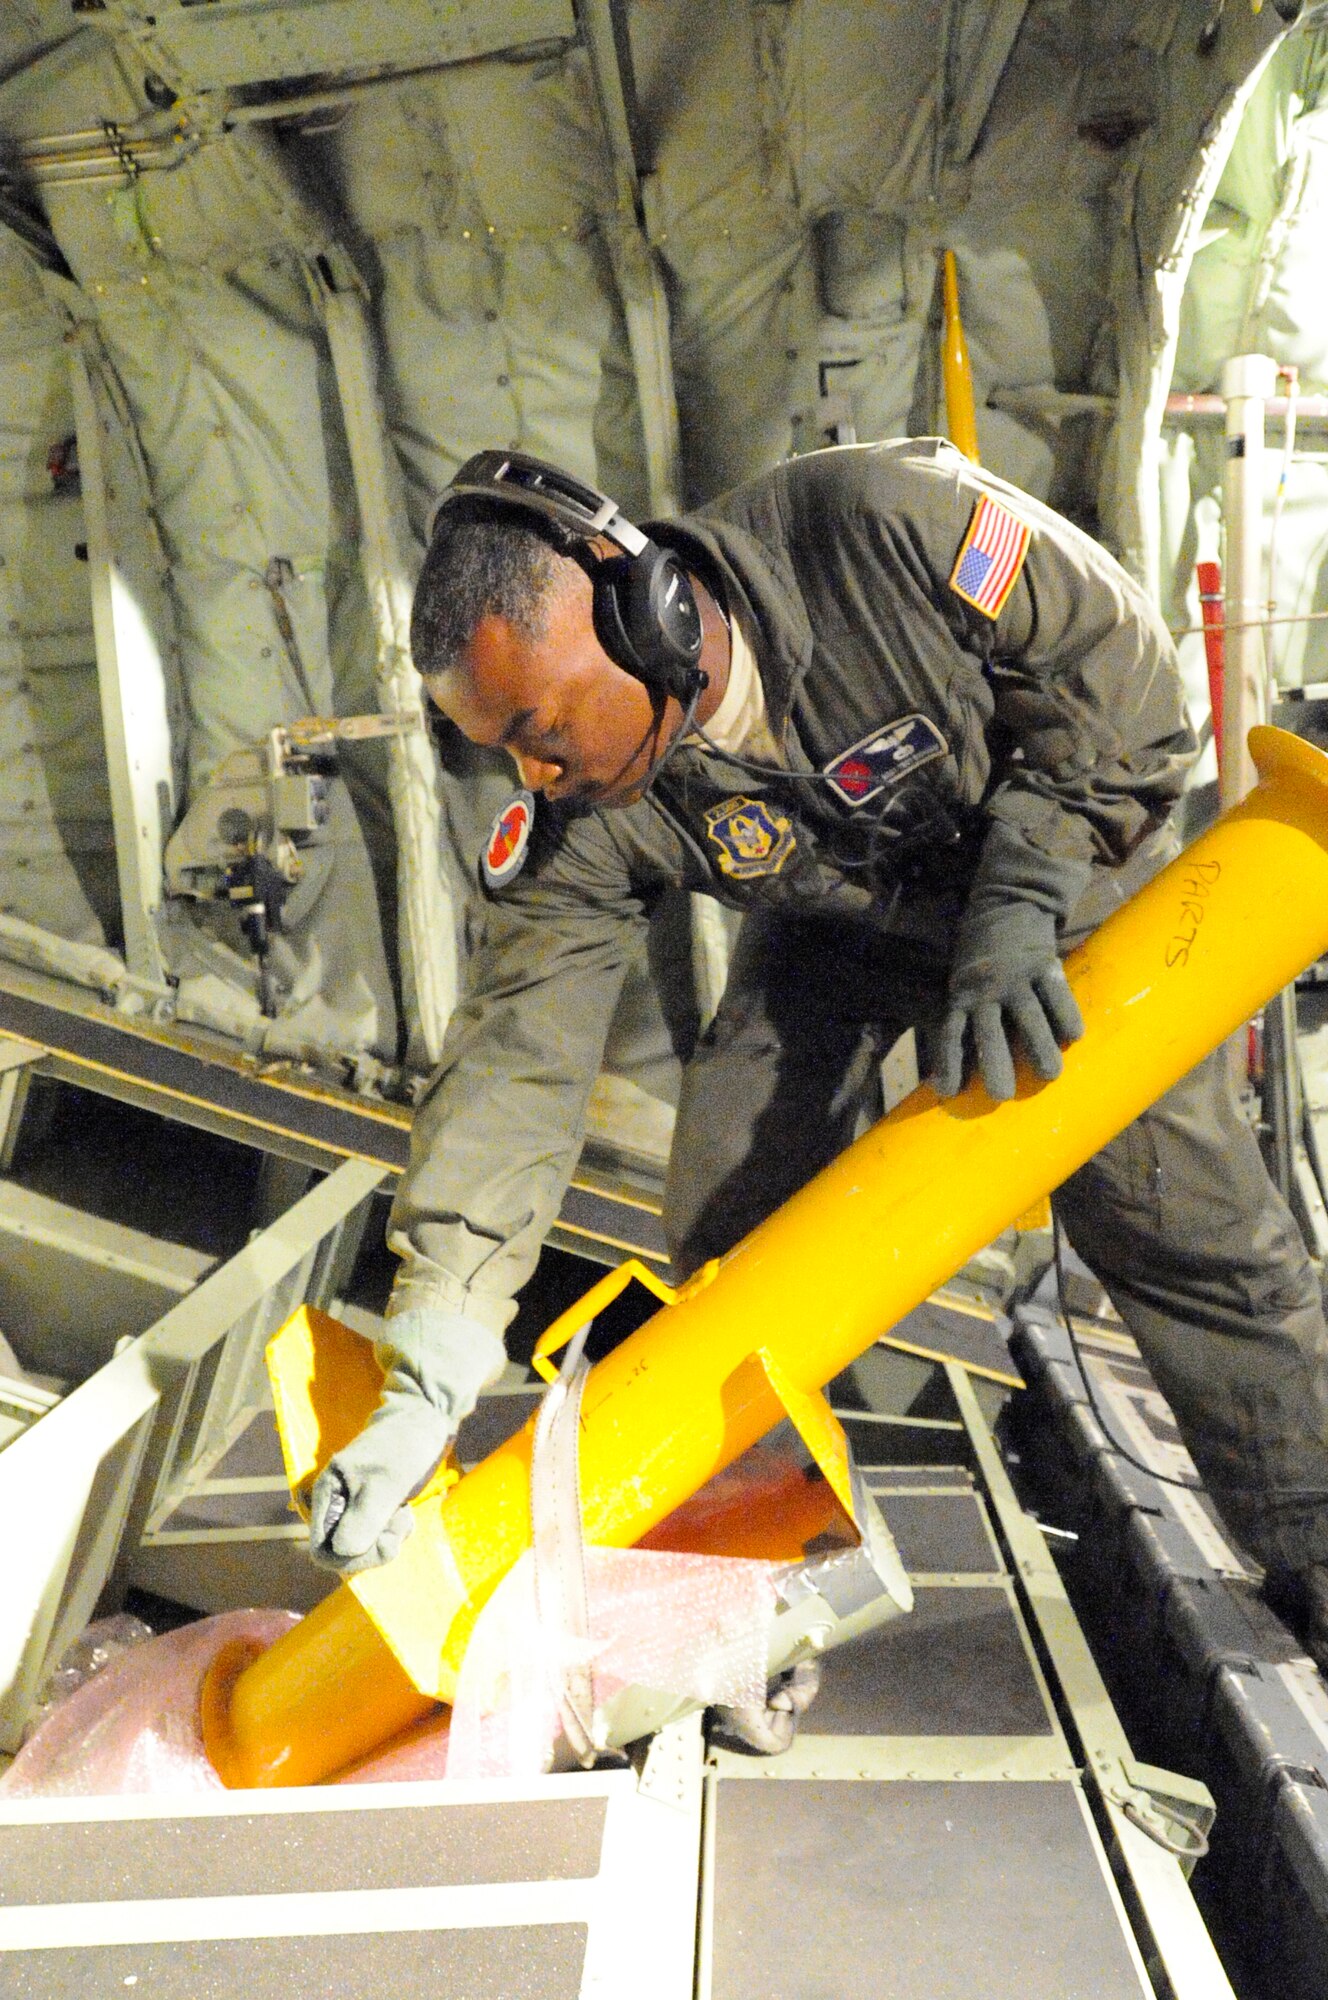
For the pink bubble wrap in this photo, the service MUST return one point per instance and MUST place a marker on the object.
(133, 1727)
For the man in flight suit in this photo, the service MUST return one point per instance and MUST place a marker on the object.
(938, 742)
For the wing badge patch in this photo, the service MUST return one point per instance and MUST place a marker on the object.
(988, 564)
(752, 837)
(884, 757)
(509, 837)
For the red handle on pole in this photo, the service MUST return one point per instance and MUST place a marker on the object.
(1214, 623)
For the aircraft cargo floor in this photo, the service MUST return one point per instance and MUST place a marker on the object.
(960, 1816)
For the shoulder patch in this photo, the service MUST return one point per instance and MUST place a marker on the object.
(992, 554)
(753, 838)
(884, 757)
(509, 837)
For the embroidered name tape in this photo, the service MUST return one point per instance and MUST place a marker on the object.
(988, 564)
(509, 837)
(752, 837)
(884, 757)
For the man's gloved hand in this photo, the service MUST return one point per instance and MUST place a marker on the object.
(437, 1362)
(1006, 975)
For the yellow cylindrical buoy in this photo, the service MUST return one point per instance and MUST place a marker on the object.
(961, 417)
(1164, 981)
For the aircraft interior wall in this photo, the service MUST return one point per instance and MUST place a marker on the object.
(782, 180)
(1258, 285)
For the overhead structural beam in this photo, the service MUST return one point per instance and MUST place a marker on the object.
(640, 283)
(127, 607)
(646, 311)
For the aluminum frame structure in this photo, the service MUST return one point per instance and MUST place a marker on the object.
(489, 1887)
(84, 1479)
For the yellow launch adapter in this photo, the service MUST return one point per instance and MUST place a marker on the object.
(961, 417)
(756, 1336)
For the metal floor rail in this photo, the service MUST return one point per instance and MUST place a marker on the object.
(611, 1210)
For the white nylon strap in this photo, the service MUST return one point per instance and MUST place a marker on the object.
(558, 1545)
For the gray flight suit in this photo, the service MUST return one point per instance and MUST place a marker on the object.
(1030, 747)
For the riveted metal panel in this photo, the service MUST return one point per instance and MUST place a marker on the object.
(956, 1666)
(211, 43)
(939, 1891)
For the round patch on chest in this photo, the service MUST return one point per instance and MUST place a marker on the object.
(509, 837)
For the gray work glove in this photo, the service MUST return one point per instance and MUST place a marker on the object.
(769, 1727)
(1006, 976)
(437, 1362)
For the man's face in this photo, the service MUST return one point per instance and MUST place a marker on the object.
(580, 729)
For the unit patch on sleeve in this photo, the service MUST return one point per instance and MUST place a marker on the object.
(509, 837)
(884, 757)
(752, 837)
(988, 565)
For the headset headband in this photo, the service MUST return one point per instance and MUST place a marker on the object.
(642, 603)
(581, 511)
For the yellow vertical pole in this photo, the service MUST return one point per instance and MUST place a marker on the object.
(961, 417)
(1165, 980)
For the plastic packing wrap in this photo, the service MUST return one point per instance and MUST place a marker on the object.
(693, 1626)
(418, 1755)
(134, 1725)
(95, 1647)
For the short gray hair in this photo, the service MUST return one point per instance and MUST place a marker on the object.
(481, 562)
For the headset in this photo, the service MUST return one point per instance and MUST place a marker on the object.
(644, 608)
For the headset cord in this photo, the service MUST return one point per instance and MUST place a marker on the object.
(685, 728)
(775, 771)
(1303, 1493)
(885, 843)
(1163, 1479)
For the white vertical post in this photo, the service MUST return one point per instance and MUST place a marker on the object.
(635, 266)
(1248, 381)
(430, 973)
(131, 673)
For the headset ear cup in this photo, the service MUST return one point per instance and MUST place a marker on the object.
(611, 611)
(646, 618)
(670, 614)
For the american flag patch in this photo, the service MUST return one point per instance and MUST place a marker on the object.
(988, 565)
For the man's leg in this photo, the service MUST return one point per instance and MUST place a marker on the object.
(1201, 1258)
(774, 1089)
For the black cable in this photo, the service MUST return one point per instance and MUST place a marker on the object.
(1163, 1479)
(1302, 1493)
(882, 835)
(761, 770)
(679, 735)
